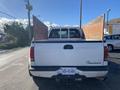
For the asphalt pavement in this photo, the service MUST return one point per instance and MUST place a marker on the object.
(14, 75)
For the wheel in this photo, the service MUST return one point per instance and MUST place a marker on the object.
(110, 48)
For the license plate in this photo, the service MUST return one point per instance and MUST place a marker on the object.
(67, 71)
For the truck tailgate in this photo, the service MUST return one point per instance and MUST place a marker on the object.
(69, 53)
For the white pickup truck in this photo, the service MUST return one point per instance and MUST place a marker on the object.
(66, 54)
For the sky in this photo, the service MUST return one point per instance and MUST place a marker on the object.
(62, 12)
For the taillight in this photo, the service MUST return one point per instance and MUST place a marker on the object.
(32, 53)
(106, 52)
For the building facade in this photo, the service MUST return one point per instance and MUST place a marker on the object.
(114, 26)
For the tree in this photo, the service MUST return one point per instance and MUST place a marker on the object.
(17, 31)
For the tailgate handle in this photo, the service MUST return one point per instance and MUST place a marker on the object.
(68, 47)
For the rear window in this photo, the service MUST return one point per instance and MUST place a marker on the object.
(55, 33)
(74, 33)
(66, 33)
